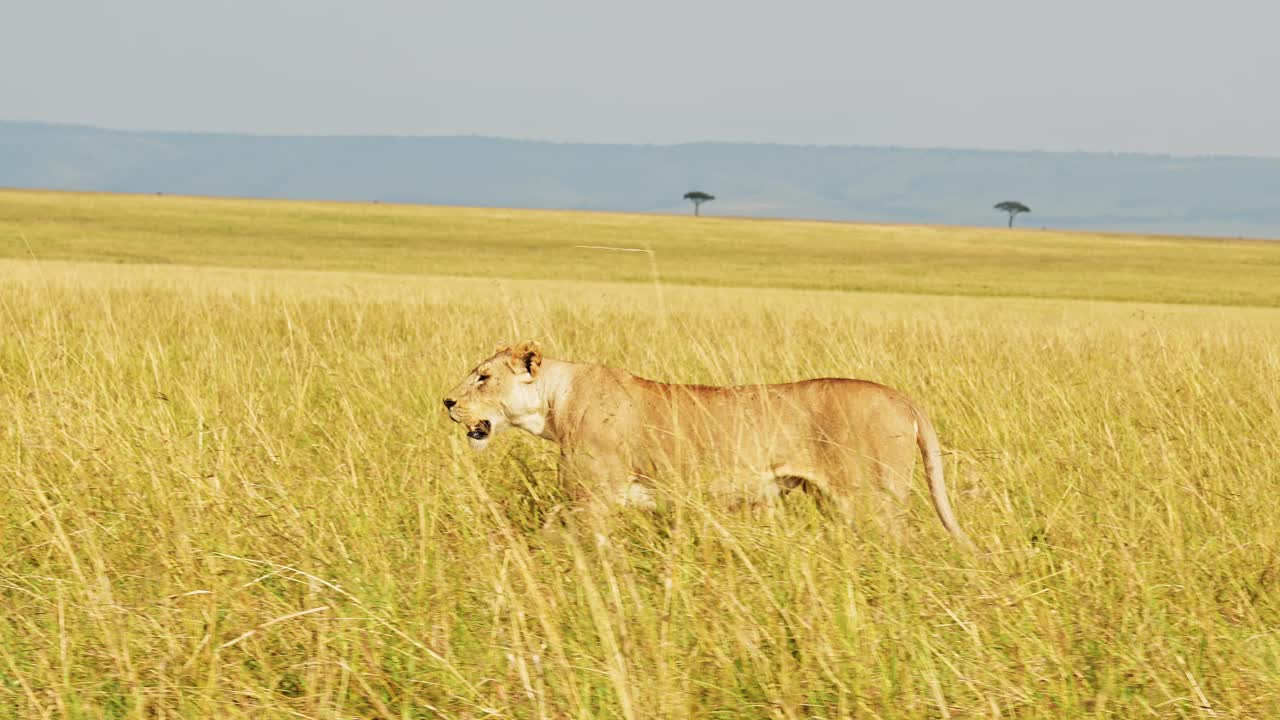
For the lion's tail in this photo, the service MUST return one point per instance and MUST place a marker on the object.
(927, 439)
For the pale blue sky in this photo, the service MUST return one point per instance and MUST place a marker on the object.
(1164, 76)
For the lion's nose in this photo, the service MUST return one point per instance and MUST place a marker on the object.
(448, 404)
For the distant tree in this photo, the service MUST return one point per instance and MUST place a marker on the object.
(1013, 207)
(697, 197)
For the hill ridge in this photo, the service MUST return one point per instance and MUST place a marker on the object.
(1217, 195)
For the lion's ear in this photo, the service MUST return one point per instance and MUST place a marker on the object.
(501, 348)
(526, 357)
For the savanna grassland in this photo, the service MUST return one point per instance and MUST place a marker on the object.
(228, 489)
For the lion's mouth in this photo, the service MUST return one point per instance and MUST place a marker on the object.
(480, 431)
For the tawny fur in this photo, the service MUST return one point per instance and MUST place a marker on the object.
(851, 442)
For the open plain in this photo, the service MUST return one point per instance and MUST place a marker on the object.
(228, 488)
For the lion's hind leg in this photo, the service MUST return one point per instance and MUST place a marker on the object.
(790, 478)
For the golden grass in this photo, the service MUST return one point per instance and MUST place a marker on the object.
(232, 493)
(536, 244)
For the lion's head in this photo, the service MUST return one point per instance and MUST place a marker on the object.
(499, 393)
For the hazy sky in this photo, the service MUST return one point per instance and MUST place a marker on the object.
(1165, 76)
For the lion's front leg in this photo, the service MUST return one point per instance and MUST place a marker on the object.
(600, 482)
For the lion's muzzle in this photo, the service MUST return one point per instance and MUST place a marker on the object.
(480, 430)
(449, 404)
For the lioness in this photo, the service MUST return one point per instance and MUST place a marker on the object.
(844, 440)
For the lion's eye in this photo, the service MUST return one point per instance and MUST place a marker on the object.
(482, 378)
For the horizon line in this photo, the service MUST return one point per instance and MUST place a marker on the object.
(597, 143)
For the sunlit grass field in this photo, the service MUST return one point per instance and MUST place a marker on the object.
(228, 489)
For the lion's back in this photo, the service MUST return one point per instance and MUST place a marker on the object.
(776, 420)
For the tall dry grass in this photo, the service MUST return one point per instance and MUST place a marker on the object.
(234, 494)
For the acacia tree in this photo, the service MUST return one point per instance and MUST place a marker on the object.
(697, 197)
(1013, 207)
